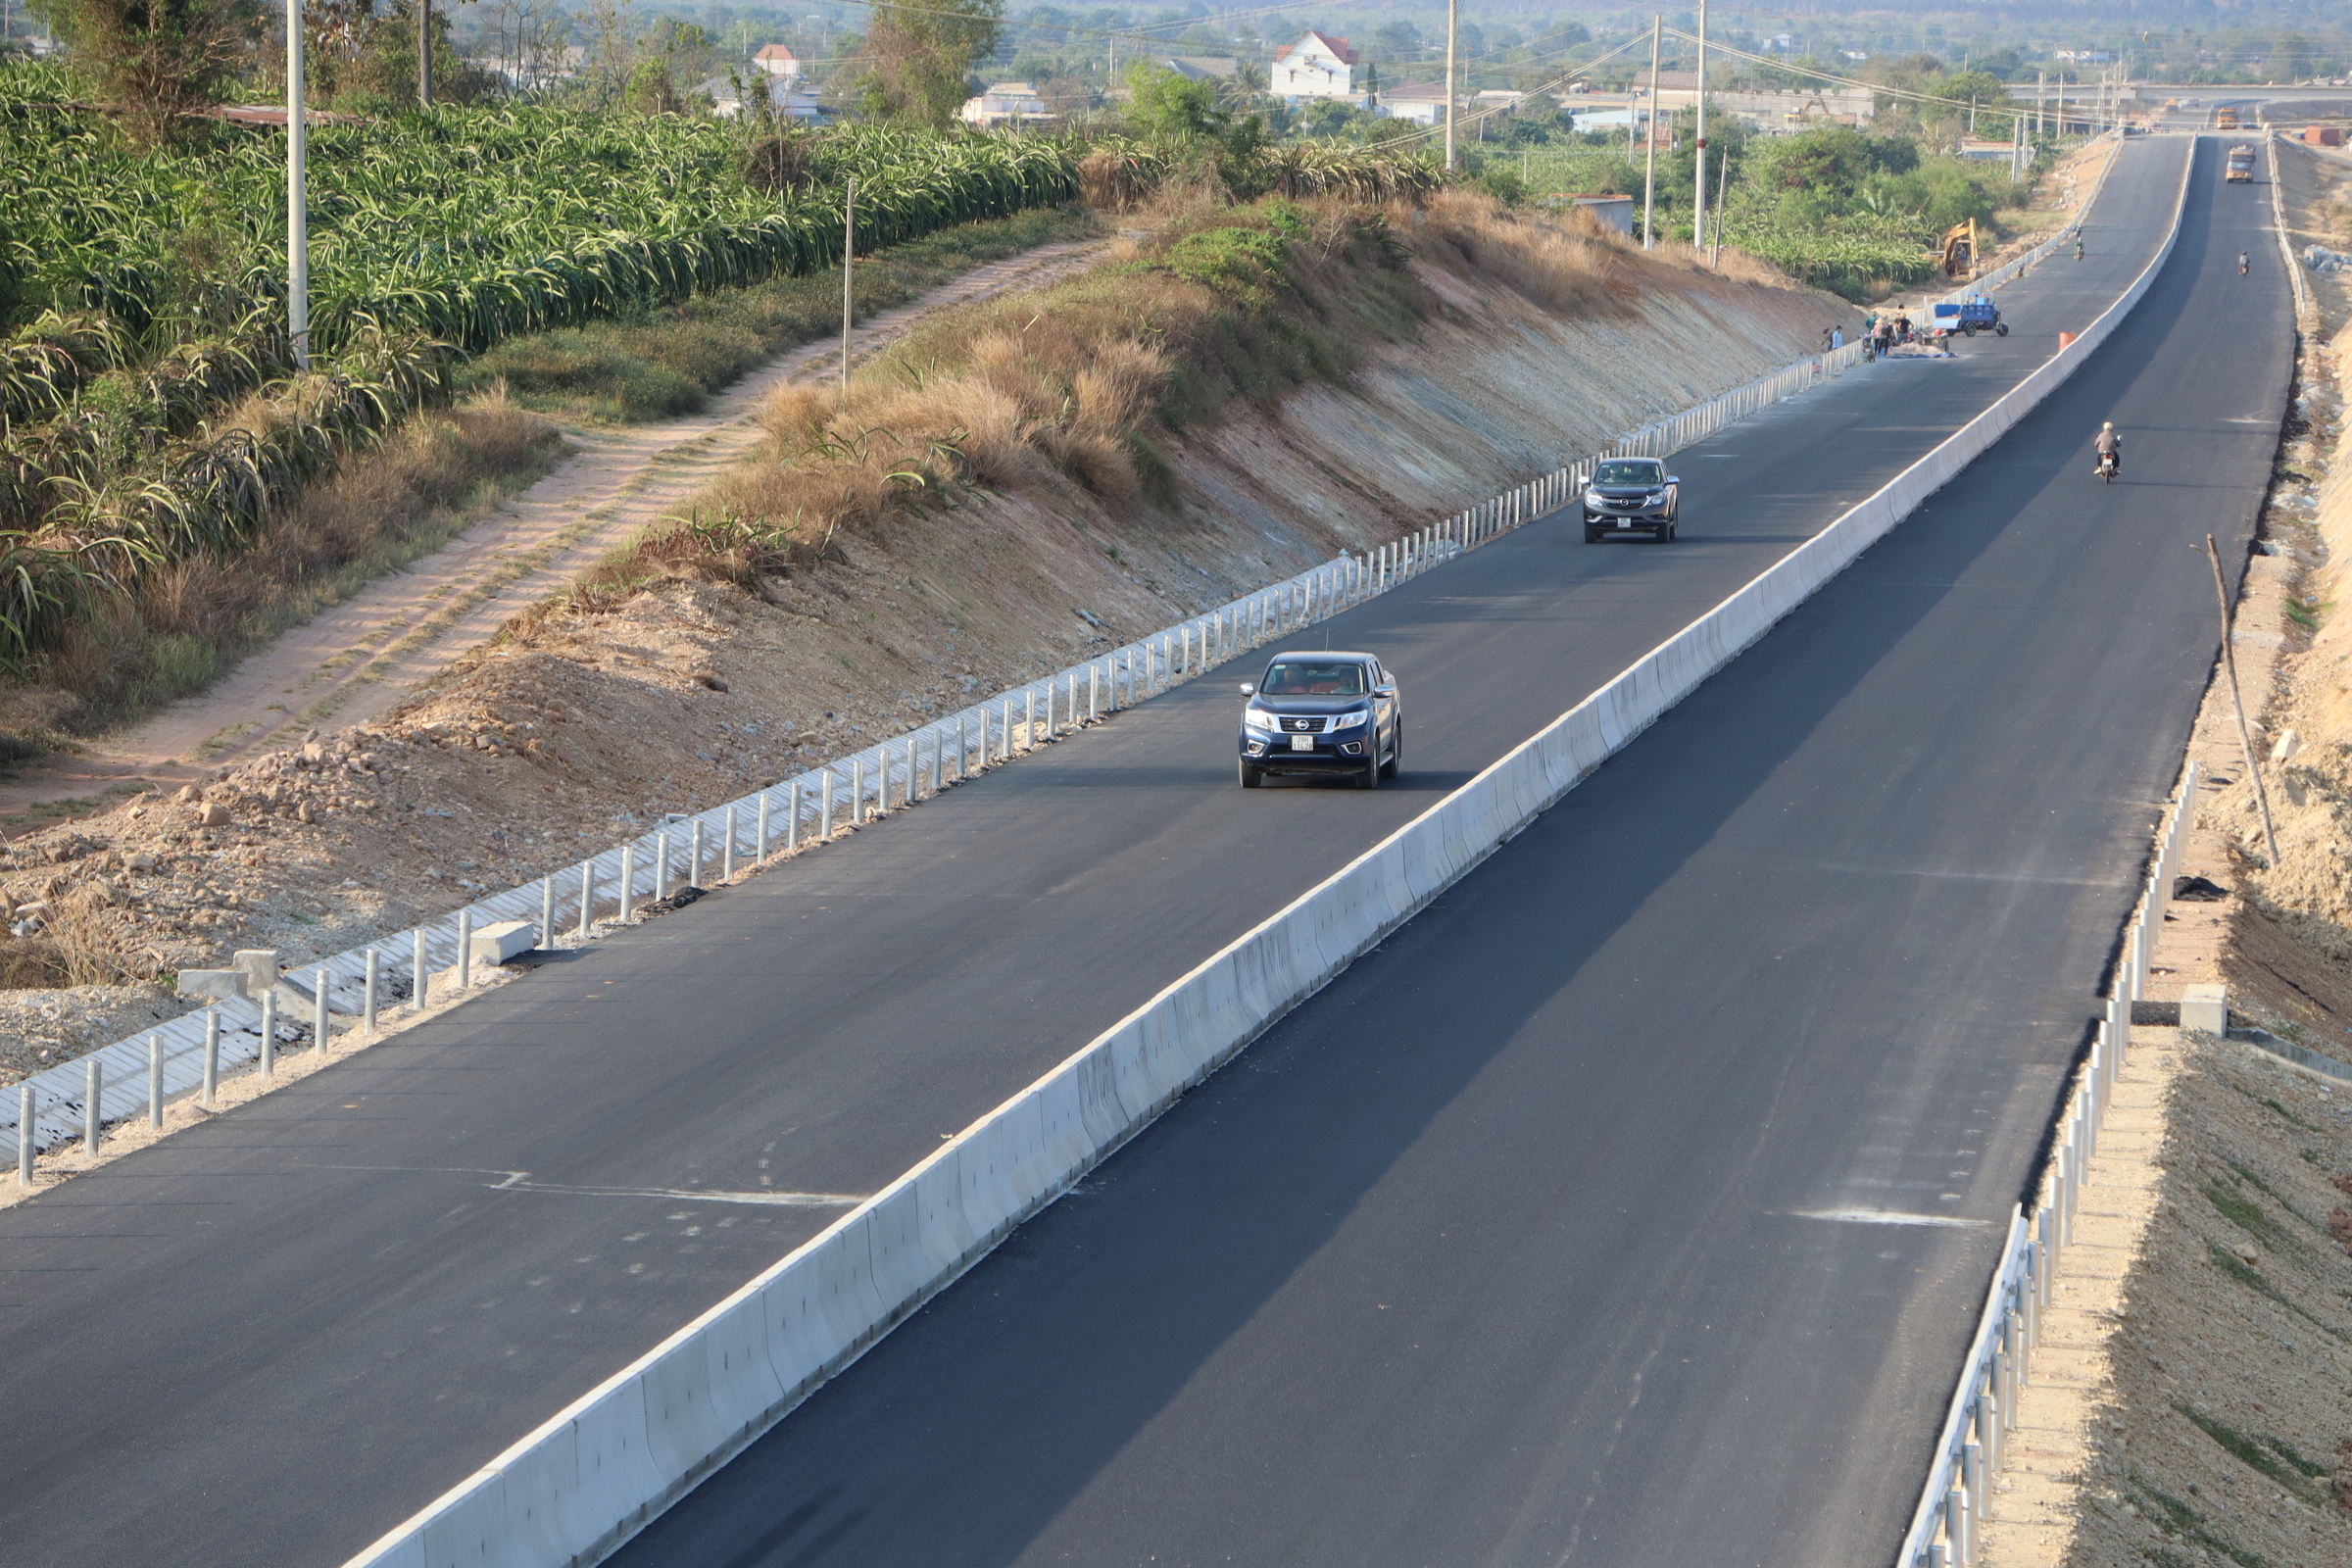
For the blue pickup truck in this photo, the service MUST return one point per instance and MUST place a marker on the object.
(1973, 315)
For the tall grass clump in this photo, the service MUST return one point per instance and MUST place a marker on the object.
(1067, 388)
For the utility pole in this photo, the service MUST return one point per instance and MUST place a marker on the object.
(2041, 94)
(1452, 16)
(849, 257)
(1649, 173)
(424, 54)
(1698, 187)
(298, 260)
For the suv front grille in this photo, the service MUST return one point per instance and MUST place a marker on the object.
(1302, 727)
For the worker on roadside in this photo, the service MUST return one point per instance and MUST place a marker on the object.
(2109, 445)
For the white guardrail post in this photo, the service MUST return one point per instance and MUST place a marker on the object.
(592, 1475)
(1998, 1364)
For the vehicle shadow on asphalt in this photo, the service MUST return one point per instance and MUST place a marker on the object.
(1041, 1409)
(1058, 1354)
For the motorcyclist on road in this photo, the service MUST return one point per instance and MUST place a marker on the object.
(2242, 263)
(2077, 247)
(2108, 444)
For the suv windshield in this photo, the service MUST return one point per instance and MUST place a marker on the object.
(1304, 678)
(1627, 473)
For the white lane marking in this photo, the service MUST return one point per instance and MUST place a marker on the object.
(1978, 876)
(697, 1194)
(1888, 1216)
(518, 1180)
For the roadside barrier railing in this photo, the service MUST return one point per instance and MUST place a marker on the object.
(593, 1474)
(437, 961)
(1973, 1445)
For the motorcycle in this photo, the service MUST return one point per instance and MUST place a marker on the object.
(2110, 464)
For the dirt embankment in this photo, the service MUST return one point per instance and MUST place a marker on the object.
(580, 725)
(2200, 1412)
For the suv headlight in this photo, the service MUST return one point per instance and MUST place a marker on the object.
(1252, 718)
(1355, 720)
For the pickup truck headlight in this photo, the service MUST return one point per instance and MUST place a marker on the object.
(1252, 718)
(1355, 720)
(1593, 498)
(1657, 498)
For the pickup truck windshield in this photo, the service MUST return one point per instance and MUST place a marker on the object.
(1629, 473)
(1302, 678)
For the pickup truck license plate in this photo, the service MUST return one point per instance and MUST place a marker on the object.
(1303, 742)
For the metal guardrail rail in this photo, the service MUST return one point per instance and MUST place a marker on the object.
(140, 1074)
(1973, 1443)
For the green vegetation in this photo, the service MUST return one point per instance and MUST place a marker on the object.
(2174, 1517)
(2267, 1456)
(666, 361)
(150, 413)
(1850, 212)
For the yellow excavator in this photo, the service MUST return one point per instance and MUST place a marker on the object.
(1959, 255)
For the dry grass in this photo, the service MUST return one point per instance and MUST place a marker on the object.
(1219, 305)
(188, 621)
(1059, 387)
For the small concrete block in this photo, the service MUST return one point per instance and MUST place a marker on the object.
(227, 984)
(505, 942)
(2205, 1010)
(212, 815)
(259, 965)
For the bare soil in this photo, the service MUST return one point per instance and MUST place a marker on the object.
(570, 729)
(373, 651)
(2198, 1406)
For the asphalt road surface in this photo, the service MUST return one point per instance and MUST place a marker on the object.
(273, 1337)
(1634, 1205)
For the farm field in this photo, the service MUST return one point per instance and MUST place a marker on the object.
(149, 409)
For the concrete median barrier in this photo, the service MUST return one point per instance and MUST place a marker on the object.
(574, 1489)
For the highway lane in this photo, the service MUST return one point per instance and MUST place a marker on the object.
(1633, 1205)
(325, 1307)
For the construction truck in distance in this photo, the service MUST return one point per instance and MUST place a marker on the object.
(2242, 166)
(2225, 120)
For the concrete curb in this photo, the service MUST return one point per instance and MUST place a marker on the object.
(585, 1482)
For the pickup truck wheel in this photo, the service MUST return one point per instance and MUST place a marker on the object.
(1395, 762)
(1367, 777)
(1666, 532)
(1252, 777)
(1592, 534)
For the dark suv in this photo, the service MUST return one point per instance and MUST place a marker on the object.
(1331, 714)
(1632, 495)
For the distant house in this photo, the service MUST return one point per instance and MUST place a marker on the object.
(1203, 68)
(2087, 57)
(1421, 102)
(790, 97)
(1315, 67)
(1006, 103)
(777, 61)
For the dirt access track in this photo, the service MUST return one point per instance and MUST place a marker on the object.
(377, 649)
(584, 726)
